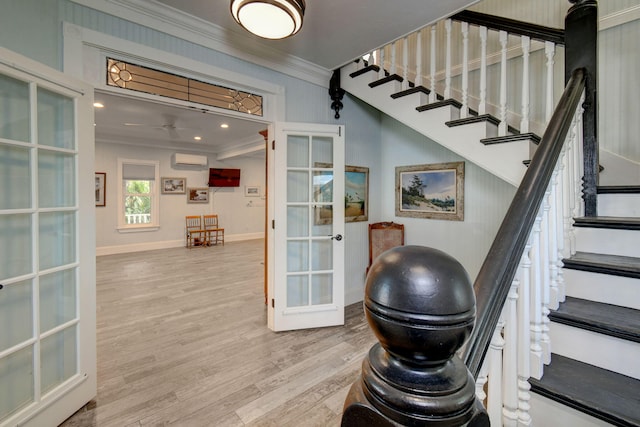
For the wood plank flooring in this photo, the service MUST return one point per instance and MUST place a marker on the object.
(182, 340)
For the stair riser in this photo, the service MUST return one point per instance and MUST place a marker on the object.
(616, 290)
(608, 241)
(625, 205)
(547, 412)
(604, 351)
(465, 143)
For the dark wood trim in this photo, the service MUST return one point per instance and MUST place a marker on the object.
(512, 26)
(532, 137)
(499, 268)
(365, 70)
(473, 119)
(618, 189)
(444, 103)
(610, 222)
(387, 79)
(414, 89)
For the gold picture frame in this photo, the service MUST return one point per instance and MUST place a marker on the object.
(433, 191)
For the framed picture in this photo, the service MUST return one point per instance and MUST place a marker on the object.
(198, 195)
(356, 196)
(101, 189)
(170, 185)
(431, 191)
(252, 191)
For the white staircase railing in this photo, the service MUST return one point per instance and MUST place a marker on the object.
(478, 66)
(520, 346)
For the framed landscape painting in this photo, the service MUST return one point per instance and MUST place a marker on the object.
(173, 185)
(431, 191)
(198, 195)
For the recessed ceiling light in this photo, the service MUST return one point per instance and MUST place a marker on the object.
(224, 126)
(197, 138)
(98, 104)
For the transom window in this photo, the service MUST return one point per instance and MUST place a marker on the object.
(142, 79)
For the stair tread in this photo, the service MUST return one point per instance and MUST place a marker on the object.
(618, 189)
(608, 319)
(598, 392)
(613, 222)
(438, 104)
(387, 79)
(604, 263)
(410, 91)
(512, 138)
(473, 119)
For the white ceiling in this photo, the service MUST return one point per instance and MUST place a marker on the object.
(333, 33)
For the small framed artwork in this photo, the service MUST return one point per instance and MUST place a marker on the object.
(101, 189)
(171, 185)
(198, 195)
(252, 191)
(356, 196)
(431, 191)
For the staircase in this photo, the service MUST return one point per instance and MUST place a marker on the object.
(586, 368)
(595, 333)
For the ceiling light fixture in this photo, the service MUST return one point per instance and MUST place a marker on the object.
(98, 104)
(197, 138)
(269, 19)
(224, 126)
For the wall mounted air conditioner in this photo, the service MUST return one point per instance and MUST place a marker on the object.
(193, 160)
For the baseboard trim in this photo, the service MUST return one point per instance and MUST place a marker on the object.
(167, 244)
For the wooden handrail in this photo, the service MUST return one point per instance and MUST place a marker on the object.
(496, 275)
(512, 26)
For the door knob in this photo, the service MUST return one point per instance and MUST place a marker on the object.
(338, 237)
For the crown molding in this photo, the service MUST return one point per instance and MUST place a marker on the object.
(168, 20)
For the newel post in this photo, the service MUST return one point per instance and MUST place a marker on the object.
(421, 306)
(581, 51)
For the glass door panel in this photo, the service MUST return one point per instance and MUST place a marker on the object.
(55, 120)
(57, 239)
(58, 358)
(15, 120)
(16, 258)
(14, 169)
(56, 179)
(16, 300)
(16, 381)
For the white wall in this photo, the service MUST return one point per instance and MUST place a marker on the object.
(486, 198)
(241, 217)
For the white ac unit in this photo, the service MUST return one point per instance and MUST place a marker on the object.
(182, 159)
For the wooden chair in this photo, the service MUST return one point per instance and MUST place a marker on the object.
(384, 236)
(196, 235)
(215, 234)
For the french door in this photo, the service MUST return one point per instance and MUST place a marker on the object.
(47, 244)
(307, 288)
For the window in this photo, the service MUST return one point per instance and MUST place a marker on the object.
(138, 195)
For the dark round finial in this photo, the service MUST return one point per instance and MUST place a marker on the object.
(420, 303)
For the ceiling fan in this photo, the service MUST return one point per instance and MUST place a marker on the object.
(169, 126)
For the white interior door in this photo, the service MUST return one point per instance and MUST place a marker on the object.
(47, 244)
(307, 287)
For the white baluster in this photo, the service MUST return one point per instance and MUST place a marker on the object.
(567, 195)
(510, 362)
(447, 72)
(545, 341)
(494, 394)
(418, 79)
(381, 64)
(432, 65)
(536, 302)
(553, 241)
(405, 63)
(464, 110)
(503, 126)
(482, 107)
(580, 156)
(524, 337)
(482, 380)
(524, 121)
(562, 232)
(393, 68)
(549, 50)
(574, 186)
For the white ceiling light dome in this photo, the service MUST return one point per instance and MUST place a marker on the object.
(269, 19)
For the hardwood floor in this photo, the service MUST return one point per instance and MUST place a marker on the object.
(182, 340)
